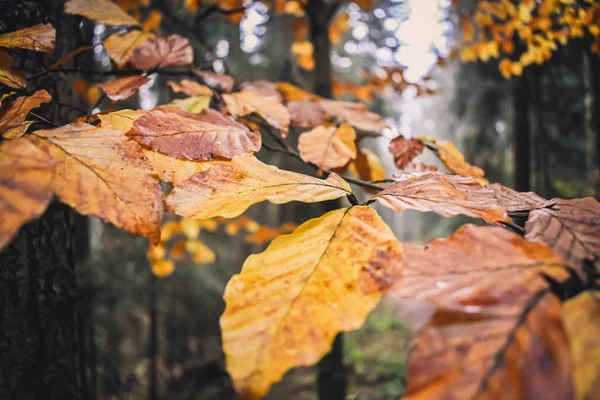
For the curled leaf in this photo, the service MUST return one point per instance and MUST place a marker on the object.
(217, 81)
(328, 147)
(8, 76)
(267, 106)
(306, 114)
(405, 150)
(123, 88)
(189, 87)
(455, 161)
(367, 166)
(14, 114)
(120, 47)
(156, 52)
(37, 38)
(355, 114)
(104, 11)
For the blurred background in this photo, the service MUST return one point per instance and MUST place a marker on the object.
(153, 331)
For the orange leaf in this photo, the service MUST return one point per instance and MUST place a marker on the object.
(367, 166)
(123, 88)
(216, 81)
(100, 172)
(289, 302)
(405, 150)
(121, 120)
(153, 21)
(104, 11)
(162, 268)
(14, 114)
(178, 250)
(200, 252)
(328, 147)
(120, 47)
(190, 88)
(265, 234)
(268, 107)
(512, 200)
(9, 77)
(174, 170)
(228, 188)
(306, 114)
(455, 161)
(90, 93)
(156, 52)
(38, 38)
(194, 136)
(291, 92)
(355, 114)
(25, 172)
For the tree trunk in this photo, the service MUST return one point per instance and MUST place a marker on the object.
(153, 342)
(38, 335)
(522, 136)
(595, 84)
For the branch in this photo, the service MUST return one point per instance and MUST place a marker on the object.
(160, 71)
(216, 8)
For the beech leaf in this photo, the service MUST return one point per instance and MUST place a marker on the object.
(120, 47)
(121, 120)
(156, 52)
(14, 114)
(104, 11)
(355, 114)
(174, 170)
(196, 137)
(267, 106)
(189, 87)
(514, 201)
(328, 146)
(404, 150)
(287, 305)
(193, 104)
(367, 166)
(8, 76)
(455, 161)
(216, 81)
(228, 188)
(306, 114)
(263, 87)
(291, 92)
(123, 88)
(37, 38)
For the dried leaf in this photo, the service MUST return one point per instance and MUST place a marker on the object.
(120, 47)
(263, 87)
(289, 302)
(174, 170)
(121, 120)
(37, 38)
(104, 11)
(265, 234)
(446, 195)
(268, 107)
(25, 175)
(581, 319)
(228, 188)
(367, 166)
(193, 104)
(189, 87)
(200, 252)
(9, 77)
(291, 92)
(17, 131)
(306, 114)
(512, 200)
(156, 52)
(216, 81)
(232, 227)
(455, 161)
(405, 150)
(100, 172)
(162, 268)
(14, 114)
(355, 114)
(328, 147)
(570, 227)
(123, 88)
(194, 136)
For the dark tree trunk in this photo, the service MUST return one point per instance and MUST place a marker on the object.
(595, 83)
(38, 330)
(522, 135)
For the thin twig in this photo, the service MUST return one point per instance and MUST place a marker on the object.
(514, 227)
(44, 119)
(109, 73)
(72, 107)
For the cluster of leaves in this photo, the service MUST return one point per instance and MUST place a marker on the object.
(499, 329)
(526, 32)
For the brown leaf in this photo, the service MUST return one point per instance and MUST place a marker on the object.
(367, 166)
(268, 107)
(512, 200)
(570, 227)
(25, 175)
(216, 81)
(355, 114)
(289, 302)
(419, 167)
(263, 87)
(17, 131)
(120, 47)
(405, 150)
(189, 87)
(104, 11)
(37, 38)
(455, 161)
(121, 120)
(174, 170)
(446, 195)
(328, 147)
(228, 188)
(13, 115)
(123, 88)
(306, 114)
(194, 136)
(193, 104)
(156, 52)
(9, 77)
(100, 172)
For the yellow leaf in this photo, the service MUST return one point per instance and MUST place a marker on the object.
(13, 115)
(291, 92)
(228, 188)
(122, 119)
(200, 252)
(455, 161)
(193, 104)
(38, 38)
(104, 11)
(190, 227)
(120, 48)
(90, 93)
(162, 268)
(328, 147)
(174, 170)
(267, 106)
(367, 166)
(156, 253)
(290, 301)
(153, 21)
(9, 77)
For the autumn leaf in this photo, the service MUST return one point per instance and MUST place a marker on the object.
(514, 201)
(201, 253)
(156, 52)
(123, 88)
(570, 227)
(104, 11)
(9, 77)
(90, 93)
(404, 150)
(25, 175)
(265, 234)
(174, 170)
(445, 195)
(37, 38)
(190, 88)
(328, 147)
(289, 302)
(581, 319)
(261, 86)
(228, 188)
(13, 115)
(355, 114)
(216, 81)
(291, 92)
(194, 136)
(162, 268)
(268, 107)
(17, 131)
(193, 104)
(100, 172)
(367, 166)
(306, 114)
(121, 120)
(455, 161)
(120, 47)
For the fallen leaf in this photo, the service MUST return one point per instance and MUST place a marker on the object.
(268, 107)
(216, 81)
(189, 87)
(9, 77)
(570, 227)
(367, 166)
(445, 195)
(355, 114)
(306, 114)
(194, 136)
(120, 47)
(514, 201)
(104, 11)
(455, 161)
(228, 188)
(156, 52)
(37, 38)
(405, 150)
(121, 120)
(123, 88)
(581, 319)
(289, 302)
(100, 172)
(174, 170)
(25, 175)
(193, 104)
(14, 114)
(328, 146)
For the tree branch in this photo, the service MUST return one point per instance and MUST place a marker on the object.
(215, 8)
